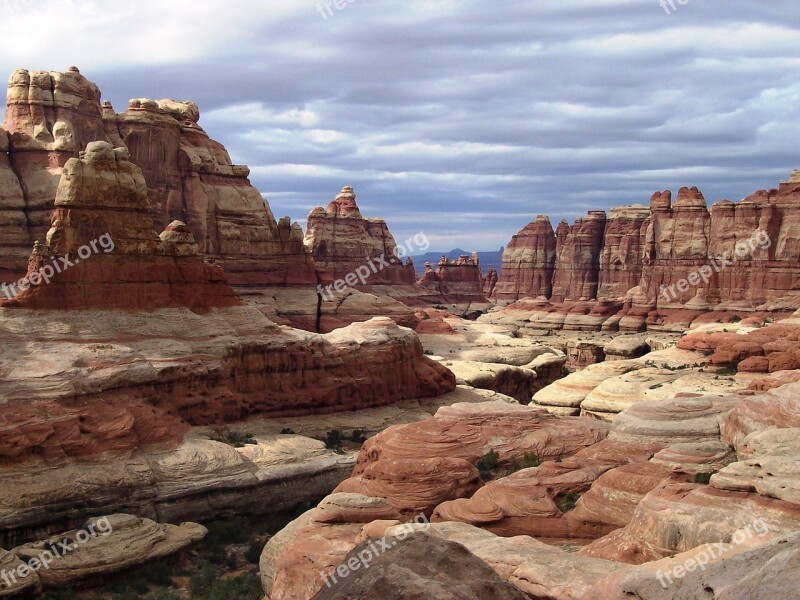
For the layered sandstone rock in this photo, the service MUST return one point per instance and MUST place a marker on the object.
(454, 281)
(728, 571)
(115, 543)
(301, 559)
(667, 266)
(51, 116)
(102, 220)
(621, 256)
(191, 178)
(345, 244)
(420, 565)
(15, 240)
(577, 271)
(529, 261)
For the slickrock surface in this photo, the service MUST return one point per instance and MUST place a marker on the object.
(532, 567)
(762, 573)
(489, 357)
(611, 273)
(468, 431)
(605, 389)
(421, 566)
(122, 542)
(457, 437)
(118, 381)
(676, 517)
(52, 116)
(341, 241)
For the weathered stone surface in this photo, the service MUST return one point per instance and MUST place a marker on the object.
(621, 256)
(51, 116)
(420, 566)
(276, 545)
(613, 498)
(102, 209)
(137, 392)
(435, 481)
(668, 266)
(696, 457)
(676, 517)
(761, 573)
(529, 261)
(341, 242)
(564, 397)
(768, 464)
(15, 240)
(121, 542)
(778, 408)
(453, 282)
(577, 270)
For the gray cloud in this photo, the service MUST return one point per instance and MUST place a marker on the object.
(460, 118)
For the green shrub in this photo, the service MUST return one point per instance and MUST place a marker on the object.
(333, 440)
(732, 368)
(488, 463)
(202, 582)
(232, 438)
(567, 502)
(287, 431)
(224, 532)
(244, 587)
(703, 478)
(735, 319)
(530, 460)
(253, 553)
(359, 436)
(60, 594)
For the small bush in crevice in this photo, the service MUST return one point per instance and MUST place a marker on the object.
(567, 502)
(702, 478)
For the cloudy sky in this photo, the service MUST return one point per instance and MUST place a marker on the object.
(460, 118)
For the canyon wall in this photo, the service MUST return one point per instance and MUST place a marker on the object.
(655, 258)
(51, 116)
(342, 242)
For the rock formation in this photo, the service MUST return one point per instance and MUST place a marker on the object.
(51, 116)
(529, 262)
(102, 224)
(117, 354)
(454, 281)
(346, 245)
(420, 566)
(577, 270)
(621, 257)
(662, 267)
(191, 178)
